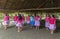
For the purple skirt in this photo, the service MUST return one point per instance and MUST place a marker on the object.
(19, 25)
(52, 27)
(5, 23)
(47, 24)
(37, 23)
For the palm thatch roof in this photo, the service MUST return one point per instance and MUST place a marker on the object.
(25, 5)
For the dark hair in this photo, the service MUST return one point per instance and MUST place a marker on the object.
(53, 16)
(19, 16)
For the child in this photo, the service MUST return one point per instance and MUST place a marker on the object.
(47, 22)
(28, 19)
(15, 19)
(6, 21)
(19, 22)
(32, 21)
(37, 22)
(52, 23)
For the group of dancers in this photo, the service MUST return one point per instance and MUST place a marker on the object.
(19, 20)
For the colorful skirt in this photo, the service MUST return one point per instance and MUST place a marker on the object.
(52, 27)
(5, 23)
(32, 23)
(19, 25)
(37, 23)
(47, 24)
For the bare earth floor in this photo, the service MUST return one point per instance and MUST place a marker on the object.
(27, 33)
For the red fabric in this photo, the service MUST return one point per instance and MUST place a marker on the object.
(52, 20)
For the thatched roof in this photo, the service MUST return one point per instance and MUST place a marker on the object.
(29, 5)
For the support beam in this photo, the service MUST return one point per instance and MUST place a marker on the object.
(56, 8)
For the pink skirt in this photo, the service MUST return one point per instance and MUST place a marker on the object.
(52, 27)
(15, 22)
(27, 22)
(19, 25)
(37, 23)
(5, 23)
(47, 24)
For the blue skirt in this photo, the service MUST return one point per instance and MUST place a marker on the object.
(32, 23)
